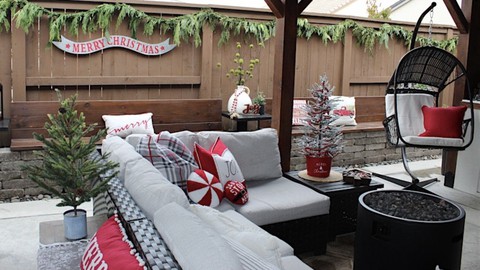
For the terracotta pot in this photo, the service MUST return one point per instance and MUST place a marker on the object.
(319, 166)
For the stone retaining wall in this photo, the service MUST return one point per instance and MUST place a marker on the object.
(359, 149)
(13, 182)
(362, 148)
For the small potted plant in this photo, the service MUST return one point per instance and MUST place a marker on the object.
(68, 169)
(321, 141)
(260, 101)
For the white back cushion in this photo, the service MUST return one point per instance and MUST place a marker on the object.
(258, 241)
(134, 139)
(256, 152)
(409, 107)
(194, 244)
(150, 189)
(120, 151)
(188, 138)
(249, 260)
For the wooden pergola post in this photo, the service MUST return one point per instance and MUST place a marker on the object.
(467, 20)
(287, 13)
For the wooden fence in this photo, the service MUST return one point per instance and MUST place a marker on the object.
(30, 69)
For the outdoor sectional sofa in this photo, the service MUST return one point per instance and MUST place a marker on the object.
(281, 218)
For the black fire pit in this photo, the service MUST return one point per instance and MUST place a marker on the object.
(402, 229)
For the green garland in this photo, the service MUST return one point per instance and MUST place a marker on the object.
(190, 25)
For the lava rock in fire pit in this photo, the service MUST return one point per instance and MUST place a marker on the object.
(413, 206)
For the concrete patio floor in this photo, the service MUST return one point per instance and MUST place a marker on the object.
(19, 230)
(19, 222)
(427, 169)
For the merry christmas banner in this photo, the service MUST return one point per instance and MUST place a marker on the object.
(113, 41)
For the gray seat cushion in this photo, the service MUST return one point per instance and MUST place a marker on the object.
(279, 200)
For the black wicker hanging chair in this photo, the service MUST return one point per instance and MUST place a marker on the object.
(413, 90)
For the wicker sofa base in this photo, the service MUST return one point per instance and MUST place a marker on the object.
(140, 230)
(304, 235)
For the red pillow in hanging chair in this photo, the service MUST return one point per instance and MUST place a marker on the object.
(443, 122)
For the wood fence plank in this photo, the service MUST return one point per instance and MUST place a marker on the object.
(173, 115)
(18, 63)
(347, 63)
(112, 80)
(207, 63)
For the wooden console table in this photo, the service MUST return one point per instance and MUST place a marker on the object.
(243, 119)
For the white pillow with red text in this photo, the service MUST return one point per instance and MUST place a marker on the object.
(110, 248)
(218, 161)
(124, 125)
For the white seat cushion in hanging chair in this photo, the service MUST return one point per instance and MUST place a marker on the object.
(410, 120)
(409, 110)
(434, 141)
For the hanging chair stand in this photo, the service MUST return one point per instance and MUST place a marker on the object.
(422, 71)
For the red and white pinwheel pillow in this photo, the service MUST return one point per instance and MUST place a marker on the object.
(204, 188)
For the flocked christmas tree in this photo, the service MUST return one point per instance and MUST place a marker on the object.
(68, 169)
(321, 139)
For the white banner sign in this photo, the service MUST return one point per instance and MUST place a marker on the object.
(99, 44)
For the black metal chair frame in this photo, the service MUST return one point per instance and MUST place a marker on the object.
(424, 70)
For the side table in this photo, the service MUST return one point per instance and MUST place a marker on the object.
(51, 232)
(343, 201)
(243, 119)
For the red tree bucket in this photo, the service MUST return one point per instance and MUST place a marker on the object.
(319, 166)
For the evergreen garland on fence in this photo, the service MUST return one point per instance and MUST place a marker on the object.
(190, 25)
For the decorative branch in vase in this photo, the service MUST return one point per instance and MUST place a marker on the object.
(240, 100)
(321, 141)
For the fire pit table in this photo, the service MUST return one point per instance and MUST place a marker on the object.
(402, 229)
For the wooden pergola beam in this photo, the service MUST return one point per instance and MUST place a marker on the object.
(277, 7)
(287, 12)
(302, 5)
(468, 52)
(457, 15)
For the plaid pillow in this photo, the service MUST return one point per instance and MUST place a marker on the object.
(169, 155)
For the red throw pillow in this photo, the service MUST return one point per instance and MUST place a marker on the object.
(204, 159)
(443, 122)
(236, 192)
(204, 188)
(219, 161)
(110, 248)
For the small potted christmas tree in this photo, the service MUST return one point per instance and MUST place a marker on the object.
(321, 141)
(68, 169)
